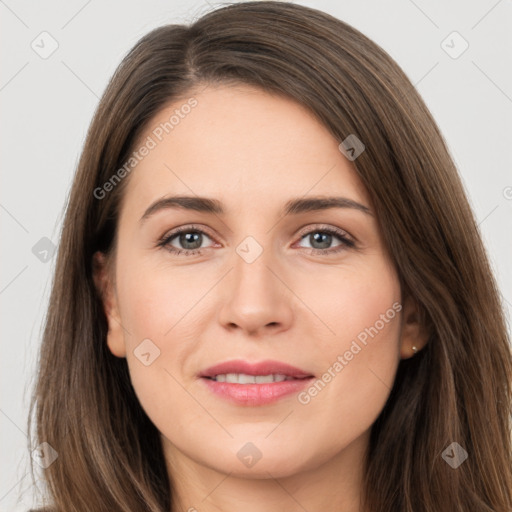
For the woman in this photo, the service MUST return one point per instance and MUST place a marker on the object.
(198, 356)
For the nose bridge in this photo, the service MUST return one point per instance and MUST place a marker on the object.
(256, 297)
(252, 260)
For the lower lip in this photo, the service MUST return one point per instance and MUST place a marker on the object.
(256, 394)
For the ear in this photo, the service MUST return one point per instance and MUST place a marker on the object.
(103, 281)
(413, 331)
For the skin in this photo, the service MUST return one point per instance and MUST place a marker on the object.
(253, 152)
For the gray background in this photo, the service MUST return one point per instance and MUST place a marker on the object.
(47, 104)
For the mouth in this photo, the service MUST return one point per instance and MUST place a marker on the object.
(253, 384)
(244, 378)
(245, 372)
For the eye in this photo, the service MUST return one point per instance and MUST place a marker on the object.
(190, 238)
(322, 238)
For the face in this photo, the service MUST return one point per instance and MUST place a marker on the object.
(307, 294)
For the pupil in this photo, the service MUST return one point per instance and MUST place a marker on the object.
(189, 238)
(318, 237)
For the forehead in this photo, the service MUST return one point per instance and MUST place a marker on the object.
(241, 145)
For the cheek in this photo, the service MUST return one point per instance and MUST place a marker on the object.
(154, 302)
(359, 361)
(157, 308)
(354, 303)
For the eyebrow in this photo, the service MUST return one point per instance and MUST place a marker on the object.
(291, 207)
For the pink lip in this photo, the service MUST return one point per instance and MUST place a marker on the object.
(263, 368)
(255, 394)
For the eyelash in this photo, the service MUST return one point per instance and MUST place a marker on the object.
(164, 242)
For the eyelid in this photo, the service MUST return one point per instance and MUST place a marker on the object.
(327, 227)
(186, 228)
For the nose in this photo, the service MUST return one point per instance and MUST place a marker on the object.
(259, 301)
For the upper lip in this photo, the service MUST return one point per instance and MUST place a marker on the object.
(267, 367)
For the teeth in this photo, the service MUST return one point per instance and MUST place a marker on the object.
(242, 378)
(264, 379)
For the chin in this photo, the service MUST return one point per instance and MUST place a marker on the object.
(246, 460)
(263, 469)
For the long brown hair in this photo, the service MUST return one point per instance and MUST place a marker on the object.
(457, 389)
